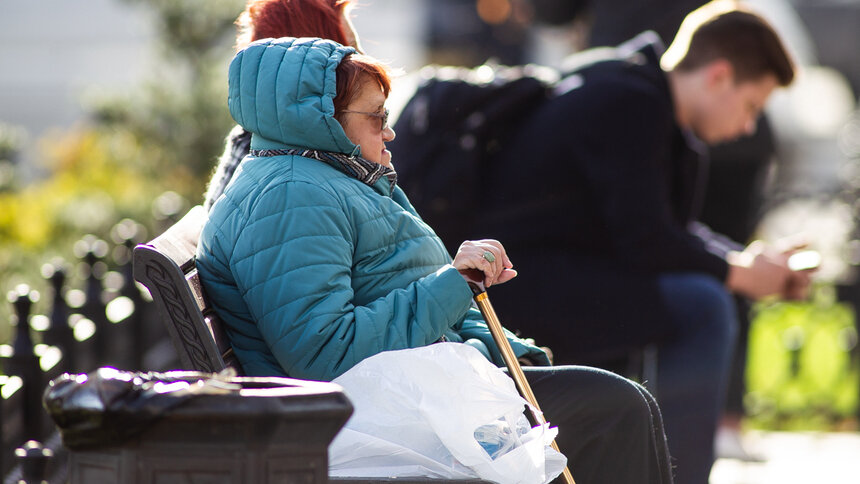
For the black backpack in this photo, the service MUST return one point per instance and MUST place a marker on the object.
(449, 131)
(459, 118)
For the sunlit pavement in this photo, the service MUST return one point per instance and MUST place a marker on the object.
(794, 457)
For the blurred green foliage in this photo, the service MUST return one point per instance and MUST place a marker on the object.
(180, 113)
(802, 371)
(164, 137)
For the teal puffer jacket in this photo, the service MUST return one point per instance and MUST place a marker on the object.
(311, 269)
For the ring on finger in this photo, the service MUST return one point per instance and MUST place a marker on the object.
(489, 256)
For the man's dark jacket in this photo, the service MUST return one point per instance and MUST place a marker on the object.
(593, 199)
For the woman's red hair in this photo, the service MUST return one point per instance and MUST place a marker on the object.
(352, 72)
(292, 18)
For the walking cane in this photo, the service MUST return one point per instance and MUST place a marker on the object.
(475, 278)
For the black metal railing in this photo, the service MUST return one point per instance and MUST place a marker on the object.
(104, 320)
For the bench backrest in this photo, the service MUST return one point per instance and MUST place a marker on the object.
(166, 267)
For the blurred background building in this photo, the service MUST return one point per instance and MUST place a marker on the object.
(54, 54)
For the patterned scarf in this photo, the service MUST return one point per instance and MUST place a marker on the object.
(364, 170)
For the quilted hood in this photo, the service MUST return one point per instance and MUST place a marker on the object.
(282, 91)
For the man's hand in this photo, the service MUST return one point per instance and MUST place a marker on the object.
(755, 274)
(762, 270)
(802, 263)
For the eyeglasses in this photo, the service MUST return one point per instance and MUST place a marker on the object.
(383, 118)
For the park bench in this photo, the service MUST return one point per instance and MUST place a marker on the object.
(166, 267)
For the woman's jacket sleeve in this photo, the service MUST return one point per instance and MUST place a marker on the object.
(475, 328)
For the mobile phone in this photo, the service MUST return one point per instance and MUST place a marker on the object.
(804, 260)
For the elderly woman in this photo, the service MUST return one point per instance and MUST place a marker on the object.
(315, 259)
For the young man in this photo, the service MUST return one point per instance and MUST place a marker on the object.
(596, 198)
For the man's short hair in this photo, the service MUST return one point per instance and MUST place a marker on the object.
(726, 29)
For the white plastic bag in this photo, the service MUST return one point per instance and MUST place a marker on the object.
(422, 412)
